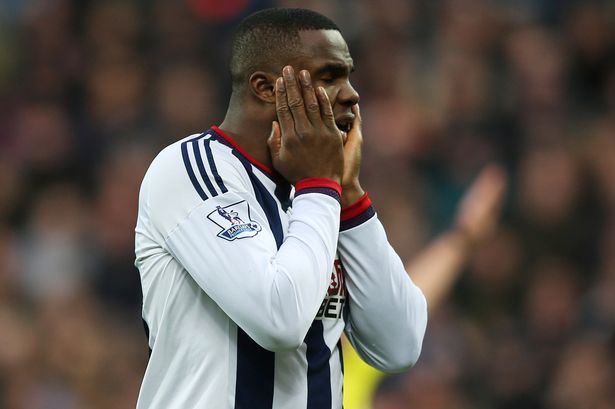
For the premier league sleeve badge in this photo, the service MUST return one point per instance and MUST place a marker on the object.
(234, 220)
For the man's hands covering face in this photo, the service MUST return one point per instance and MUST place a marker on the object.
(305, 142)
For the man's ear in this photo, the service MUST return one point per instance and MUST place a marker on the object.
(262, 85)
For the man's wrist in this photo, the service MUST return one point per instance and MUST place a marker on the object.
(351, 194)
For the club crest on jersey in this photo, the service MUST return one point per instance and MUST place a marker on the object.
(234, 220)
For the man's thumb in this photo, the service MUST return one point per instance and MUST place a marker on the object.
(275, 139)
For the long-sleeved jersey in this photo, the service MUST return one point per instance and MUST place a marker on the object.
(248, 284)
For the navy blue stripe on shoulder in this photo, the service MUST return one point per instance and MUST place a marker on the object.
(188, 165)
(213, 167)
(198, 143)
(201, 167)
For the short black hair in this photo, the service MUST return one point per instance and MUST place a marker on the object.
(266, 39)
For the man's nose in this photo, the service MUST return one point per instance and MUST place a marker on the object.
(348, 95)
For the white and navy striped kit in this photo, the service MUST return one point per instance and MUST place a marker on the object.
(248, 284)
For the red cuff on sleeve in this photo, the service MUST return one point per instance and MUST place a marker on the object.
(356, 208)
(318, 183)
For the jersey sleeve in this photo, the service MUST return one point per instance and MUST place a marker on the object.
(227, 246)
(387, 311)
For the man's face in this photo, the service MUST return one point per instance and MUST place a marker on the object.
(325, 55)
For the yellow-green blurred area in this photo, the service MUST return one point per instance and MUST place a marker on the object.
(90, 91)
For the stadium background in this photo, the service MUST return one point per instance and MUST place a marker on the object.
(91, 90)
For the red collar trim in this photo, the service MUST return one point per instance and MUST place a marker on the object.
(272, 173)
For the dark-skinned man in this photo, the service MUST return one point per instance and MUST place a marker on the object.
(248, 311)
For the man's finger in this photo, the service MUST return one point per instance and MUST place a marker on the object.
(355, 136)
(326, 111)
(281, 105)
(358, 120)
(312, 107)
(295, 99)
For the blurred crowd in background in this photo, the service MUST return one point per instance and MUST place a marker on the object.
(91, 90)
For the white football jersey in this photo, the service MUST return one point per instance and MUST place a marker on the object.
(248, 284)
